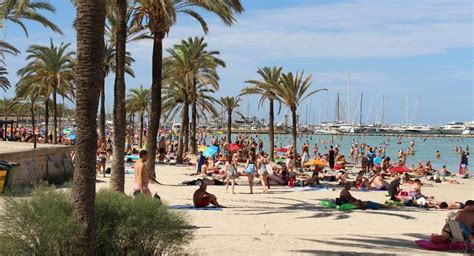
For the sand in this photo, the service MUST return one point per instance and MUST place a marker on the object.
(288, 221)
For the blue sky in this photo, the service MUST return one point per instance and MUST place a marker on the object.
(401, 49)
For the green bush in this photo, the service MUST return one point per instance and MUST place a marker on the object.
(138, 226)
(39, 225)
(43, 225)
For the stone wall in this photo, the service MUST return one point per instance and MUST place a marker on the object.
(52, 164)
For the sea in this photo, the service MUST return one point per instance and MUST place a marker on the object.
(425, 147)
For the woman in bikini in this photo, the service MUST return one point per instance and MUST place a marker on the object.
(250, 169)
(231, 172)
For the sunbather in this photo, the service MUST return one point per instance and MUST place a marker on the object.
(202, 198)
(466, 219)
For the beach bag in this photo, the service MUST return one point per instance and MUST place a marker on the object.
(269, 169)
(250, 169)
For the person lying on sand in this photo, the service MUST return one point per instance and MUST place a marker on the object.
(340, 177)
(465, 217)
(202, 198)
(446, 205)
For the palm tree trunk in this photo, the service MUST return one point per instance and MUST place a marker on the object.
(184, 131)
(271, 132)
(155, 113)
(142, 121)
(229, 126)
(293, 132)
(102, 112)
(46, 120)
(117, 181)
(55, 116)
(33, 123)
(90, 22)
(194, 119)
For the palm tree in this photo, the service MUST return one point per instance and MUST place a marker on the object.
(192, 64)
(8, 106)
(201, 66)
(291, 91)
(158, 17)
(110, 66)
(138, 100)
(16, 11)
(230, 105)
(5, 48)
(119, 21)
(52, 66)
(29, 100)
(90, 24)
(270, 79)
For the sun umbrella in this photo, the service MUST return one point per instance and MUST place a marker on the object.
(202, 148)
(210, 151)
(66, 131)
(399, 169)
(378, 160)
(282, 150)
(71, 136)
(234, 147)
(316, 162)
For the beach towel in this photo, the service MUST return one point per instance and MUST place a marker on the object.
(317, 188)
(191, 207)
(428, 245)
(342, 207)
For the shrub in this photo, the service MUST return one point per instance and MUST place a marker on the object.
(138, 226)
(39, 225)
(43, 224)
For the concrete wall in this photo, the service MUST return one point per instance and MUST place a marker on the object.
(51, 163)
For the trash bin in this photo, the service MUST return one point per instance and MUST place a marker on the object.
(4, 169)
(3, 178)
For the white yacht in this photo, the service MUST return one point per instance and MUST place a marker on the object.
(453, 128)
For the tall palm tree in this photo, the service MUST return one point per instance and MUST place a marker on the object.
(230, 105)
(31, 82)
(138, 100)
(201, 65)
(16, 11)
(291, 91)
(29, 101)
(270, 78)
(159, 17)
(53, 67)
(110, 66)
(119, 38)
(8, 106)
(90, 24)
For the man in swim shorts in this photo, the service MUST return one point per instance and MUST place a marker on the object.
(142, 176)
(202, 198)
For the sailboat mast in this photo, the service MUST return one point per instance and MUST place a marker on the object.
(360, 114)
(337, 108)
(383, 109)
(349, 100)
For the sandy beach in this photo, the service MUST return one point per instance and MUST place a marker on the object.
(289, 221)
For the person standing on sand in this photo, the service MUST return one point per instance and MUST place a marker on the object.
(142, 177)
(331, 158)
(231, 171)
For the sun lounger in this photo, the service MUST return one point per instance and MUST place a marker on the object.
(457, 234)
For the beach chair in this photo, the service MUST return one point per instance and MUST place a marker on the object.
(457, 234)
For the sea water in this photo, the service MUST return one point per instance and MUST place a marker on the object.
(425, 147)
